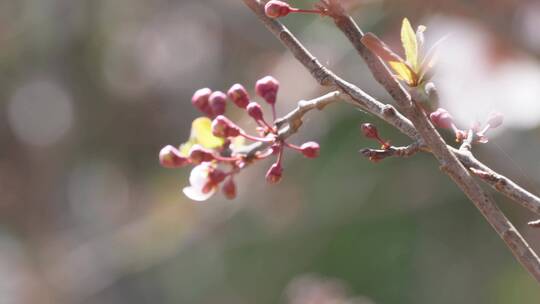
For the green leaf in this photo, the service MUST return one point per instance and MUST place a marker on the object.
(201, 133)
(185, 147)
(404, 72)
(410, 45)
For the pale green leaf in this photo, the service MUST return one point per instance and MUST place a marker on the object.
(404, 72)
(201, 133)
(185, 147)
(410, 45)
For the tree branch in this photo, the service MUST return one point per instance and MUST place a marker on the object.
(358, 98)
(448, 160)
(421, 131)
(380, 154)
(291, 122)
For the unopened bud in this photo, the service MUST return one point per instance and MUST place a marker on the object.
(200, 101)
(224, 127)
(267, 88)
(218, 103)
(169, 157)
(442, 119)
(475, 126)
(273, 175)
(216, 176)
(239, 95)
(495, 119)
(229, 189)
(276, 9)
(370, 130)
(198, 155)
(310, 149)
(255, 111)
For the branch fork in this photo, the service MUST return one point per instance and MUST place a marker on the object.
(459, 164)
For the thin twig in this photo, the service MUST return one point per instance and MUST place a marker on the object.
(380, 154)
(467, 143)
(326, 78)
(291, 122)
(500, 182)
(358, 98)
(534, 224)
(448, 160)
(444, 154)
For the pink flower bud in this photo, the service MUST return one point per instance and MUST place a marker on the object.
(224, 127)
(442, 119)
(276, 9)
(208, 188)
(273, 175)
(238, 94)
(310, 149)
(198, 155)
(229, 189)
(267, 88)
(218, 102)
(200, 101)
(255, 111)
(369, 130)
(216, 176)
(169, 157)
(495, 119)
(475, 126)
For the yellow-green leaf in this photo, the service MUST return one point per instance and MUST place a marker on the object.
(404, 72)
(201, 133)
(185, 147)
(410, 45)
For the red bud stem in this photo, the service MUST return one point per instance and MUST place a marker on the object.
(255, 138)
(307, 11)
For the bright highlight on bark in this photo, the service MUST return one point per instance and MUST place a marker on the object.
(416, 68)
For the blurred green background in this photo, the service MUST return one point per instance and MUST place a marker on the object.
(92, 89)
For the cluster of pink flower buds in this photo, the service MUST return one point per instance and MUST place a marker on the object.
(441, 118)
(209, 173)
(277, 9)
